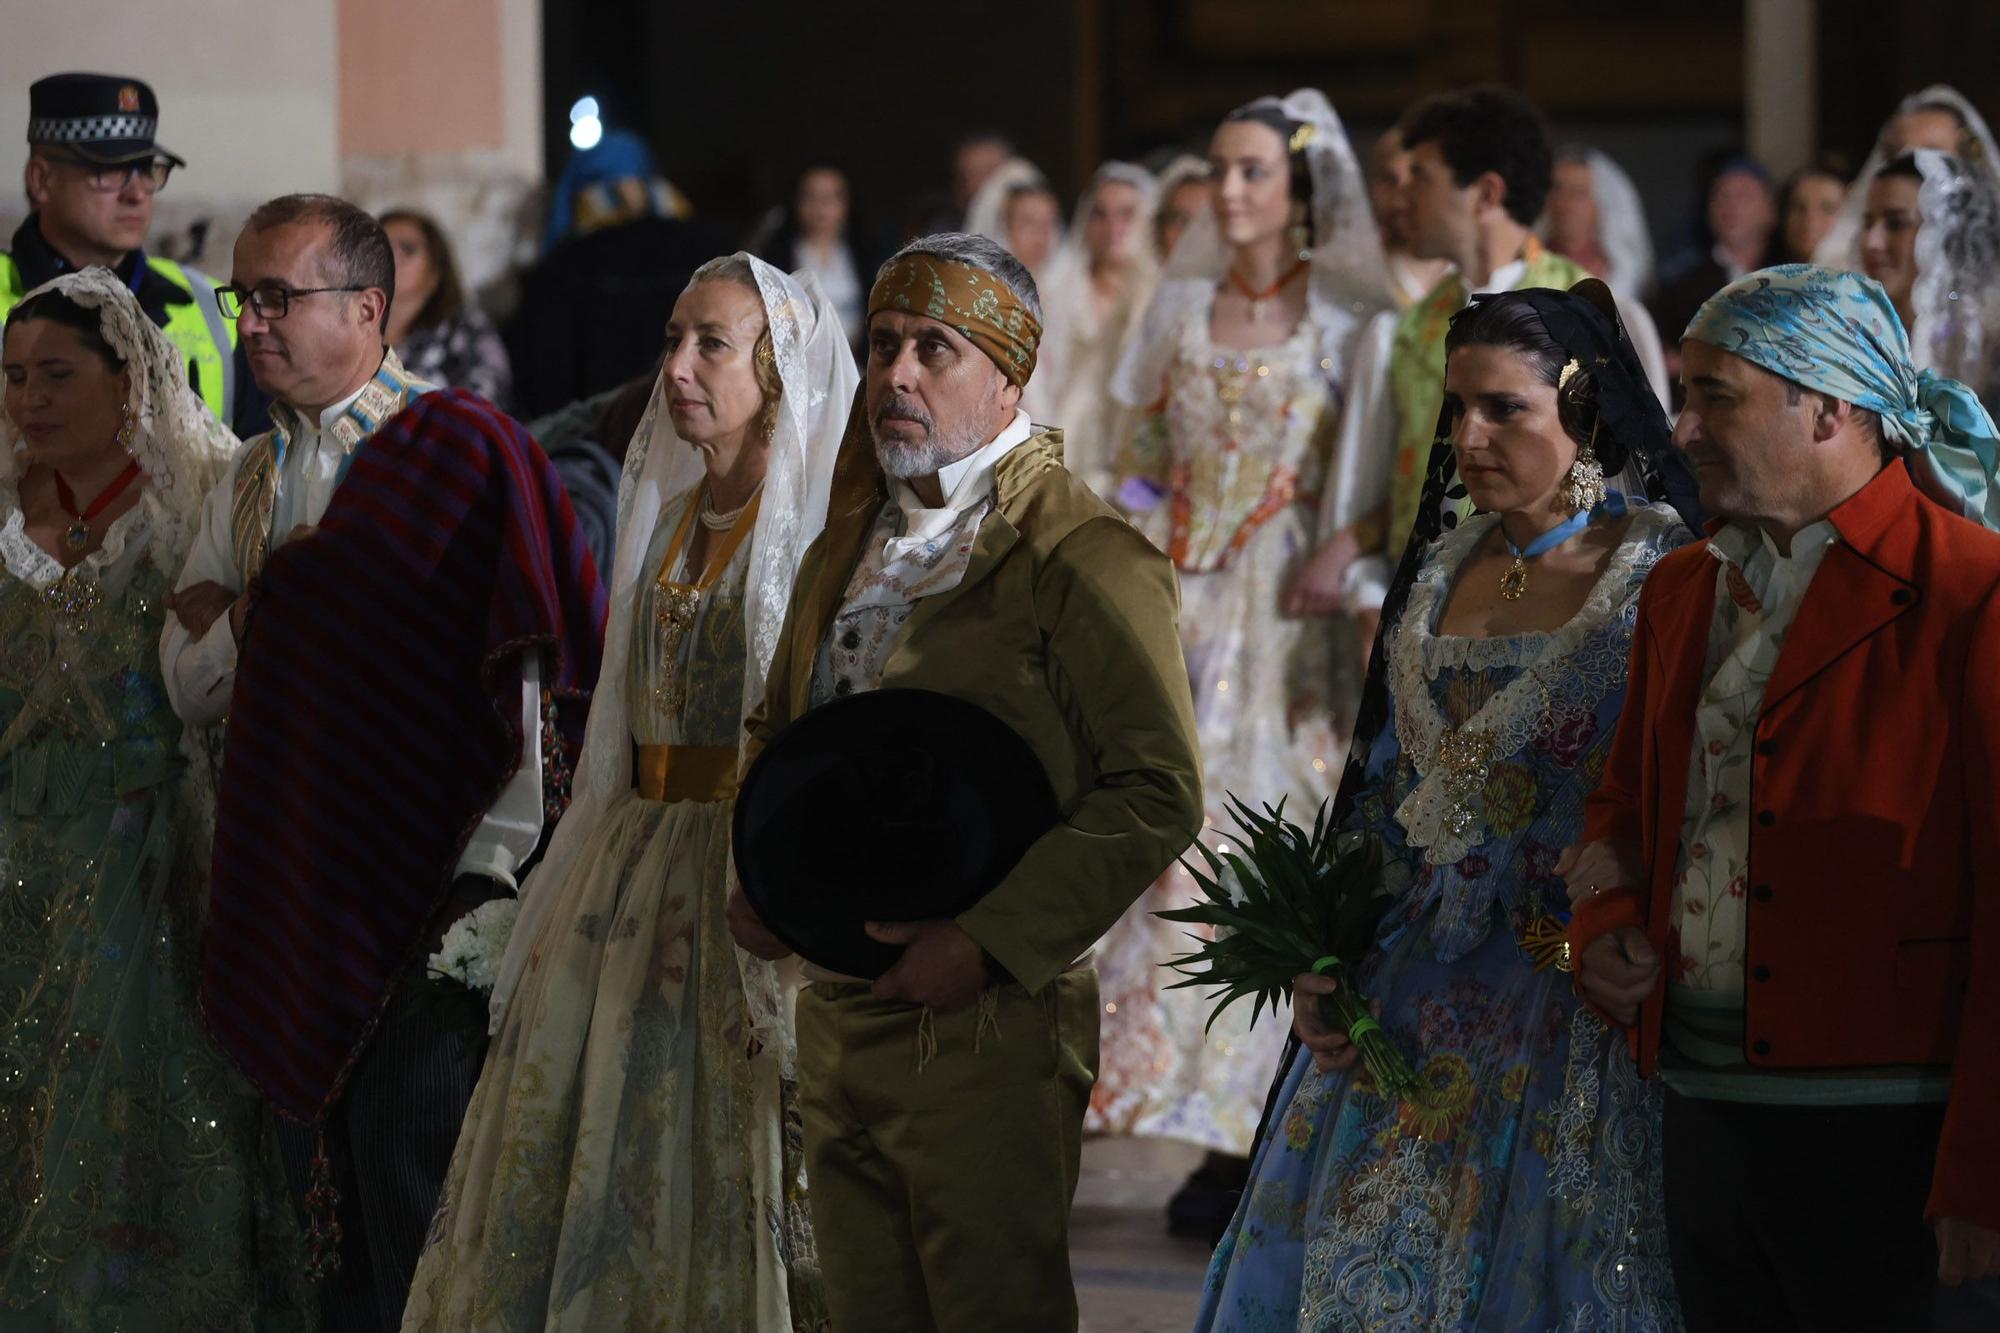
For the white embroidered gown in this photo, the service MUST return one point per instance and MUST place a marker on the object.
(1240, 446)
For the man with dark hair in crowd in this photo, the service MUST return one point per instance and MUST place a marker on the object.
(391, 606)
(92, 173)
(1480, 168)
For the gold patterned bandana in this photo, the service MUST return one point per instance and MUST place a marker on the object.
(970, 300)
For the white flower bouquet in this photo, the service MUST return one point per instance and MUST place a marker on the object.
(476, 943)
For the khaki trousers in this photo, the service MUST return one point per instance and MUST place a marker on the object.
(941, 1194)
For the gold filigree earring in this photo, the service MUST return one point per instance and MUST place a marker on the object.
(1299, 234)
(1584, 487)
(767, 373)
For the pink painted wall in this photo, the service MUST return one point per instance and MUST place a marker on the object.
(419, 76)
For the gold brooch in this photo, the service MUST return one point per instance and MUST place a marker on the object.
(1546, 941)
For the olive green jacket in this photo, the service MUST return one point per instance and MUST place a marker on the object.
(1065, 627)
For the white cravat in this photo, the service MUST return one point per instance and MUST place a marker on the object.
(965, 484)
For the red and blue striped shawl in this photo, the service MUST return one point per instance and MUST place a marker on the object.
(375, 719)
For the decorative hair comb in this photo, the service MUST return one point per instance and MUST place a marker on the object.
(1572, 366)
(1302, 136)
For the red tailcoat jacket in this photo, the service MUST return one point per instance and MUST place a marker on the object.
(1874, 912)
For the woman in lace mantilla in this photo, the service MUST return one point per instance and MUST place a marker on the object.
(632, 1157)
(1098, 285)
(1931, 236)
(1519, 1187)
(143, 1186)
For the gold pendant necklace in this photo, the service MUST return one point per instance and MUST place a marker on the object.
(676, 605)
(1514, 580)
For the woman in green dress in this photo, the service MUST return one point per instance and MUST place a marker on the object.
(141, 1186)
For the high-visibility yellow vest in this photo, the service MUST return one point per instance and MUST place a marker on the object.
(206, 338)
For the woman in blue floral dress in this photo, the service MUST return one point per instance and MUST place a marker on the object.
(1518, 1187)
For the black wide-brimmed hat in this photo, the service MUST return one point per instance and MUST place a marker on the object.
(894, 805)
(105, 118)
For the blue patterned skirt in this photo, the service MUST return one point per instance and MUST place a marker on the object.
(1521, 1191)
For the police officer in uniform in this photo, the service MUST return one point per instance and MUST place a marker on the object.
(92, 172)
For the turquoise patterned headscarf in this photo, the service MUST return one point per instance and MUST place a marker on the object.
(1838, 333)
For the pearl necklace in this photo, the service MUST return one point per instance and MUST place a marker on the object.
(719, 522)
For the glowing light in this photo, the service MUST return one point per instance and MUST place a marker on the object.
(587, 133)
(585, 108)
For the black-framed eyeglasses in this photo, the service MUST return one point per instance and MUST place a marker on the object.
(270, 302)
(112, 178)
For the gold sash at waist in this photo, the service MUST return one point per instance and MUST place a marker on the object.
(686, 772)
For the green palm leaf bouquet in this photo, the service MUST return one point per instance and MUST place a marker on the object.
(1287, 901)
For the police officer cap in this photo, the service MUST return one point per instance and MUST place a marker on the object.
(102, 117)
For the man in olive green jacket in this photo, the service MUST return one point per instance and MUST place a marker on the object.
(944, 1103)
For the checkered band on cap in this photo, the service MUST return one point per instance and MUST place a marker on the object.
(91, 129)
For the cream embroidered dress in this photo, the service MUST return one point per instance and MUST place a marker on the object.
(630, 1159)
(1239, 447)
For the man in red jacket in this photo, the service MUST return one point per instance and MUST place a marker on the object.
(1789, 886)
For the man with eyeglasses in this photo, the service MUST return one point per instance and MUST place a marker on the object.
(390, 606)
(93, 171)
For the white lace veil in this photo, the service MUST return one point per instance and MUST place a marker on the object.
(1841, 247)
(1348, 282)
(1069, 271)
(182, 449)
(986, 215)
(817, 370)
(184, 453)
(1956, 299)
(1621, 222)
(1067, 302)
(1184, 168)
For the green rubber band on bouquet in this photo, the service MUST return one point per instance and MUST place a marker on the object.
(1324, 965)
(1362, 1027)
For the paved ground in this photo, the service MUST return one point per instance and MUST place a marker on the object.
(1131, 1277)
